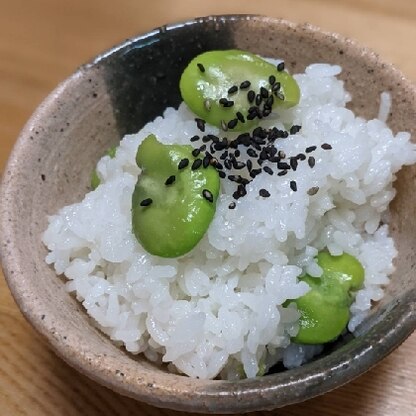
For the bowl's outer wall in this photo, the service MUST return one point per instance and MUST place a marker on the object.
(117, 94)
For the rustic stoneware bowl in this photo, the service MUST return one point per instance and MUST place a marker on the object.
(116, 94)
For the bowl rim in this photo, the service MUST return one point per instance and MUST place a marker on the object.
(274, 392)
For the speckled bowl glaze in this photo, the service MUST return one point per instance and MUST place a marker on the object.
(116, 94)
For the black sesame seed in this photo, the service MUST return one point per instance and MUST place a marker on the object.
(206, 139)
(170, 180)
(285, 134)
(293, 163)
(268, 170)
(251, 116)
(283, 165)
(274, 159)
(300, 156)
(238, 164)
(233, 89)
(244, 85)
(240, 117)
(266, 112)
(194, 138)
(280, 95)
(264, 193)
(207, 195)
(264, 93)
(203, 148)
(310, 149)
(219, 166)
(263, 155)
(200, 67)
(221, 174)
(232, 123)
(251, 95)
(258, 99)
(241, 189)
(224, 155)
(224, 125)
(237, 153)
(223, 101)
(252, 152)
(234, 178)
(232, 205)
(205, 161)
(200, 124)
(272, 79)
(249, 165)
(311, 161)
(312, 191)
(196, 152)
(255, 172)
(293, 186)
(295, 129)
(281, 154)
(252, 109)
(281, 66)
(276, 87)
(282, 173)
(326, 146)
(269, 101)
(228, 104)
(183, 163)
(196, 164)
(220, 146)
(227, 164)
(146, 202)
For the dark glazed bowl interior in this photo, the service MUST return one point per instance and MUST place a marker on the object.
(118, 93)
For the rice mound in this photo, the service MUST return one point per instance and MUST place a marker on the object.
(218, 311)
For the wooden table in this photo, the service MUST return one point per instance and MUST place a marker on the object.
(41, 43)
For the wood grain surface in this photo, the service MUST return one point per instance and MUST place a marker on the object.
(41, 43)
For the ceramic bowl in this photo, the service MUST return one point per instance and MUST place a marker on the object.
(117, 93)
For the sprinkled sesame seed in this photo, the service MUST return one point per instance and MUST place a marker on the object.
(280, 95)
(249, 165)
(264, 93)
(170, 180)
(283, 165)
(252, 152)
(146, 202)
(310, 149)
(294, 129)
(238, 164)
(300, 156)
(224, 155)
(268, 170)
(326, 146)
(206, 139)
(194, 138)
(276, 87)
(221, 174)
(234, 178)
(266, 112)
(232, 205)
(293, 186)
(207, 195)
(232, 123)
(200, 67)
(237, 153)
(196, 164)
(311, 161)
(255, 172)
(264, 193)
(240, 117)
(281, 66)
(281, 154)
(312, 191)
(224, 125)
(251, 95)
(272, 79)
(196, 152)
(203, 148)
(233, 89)
(207, 104)
(258, 99)
(282, 173)
(183, 163)
(219, 166)
(228, 104)
(223, 101)
(227, 164)
(245, 84)
(293, 163)
(269, 101)
(251, 116)
(200, 124)
(205, 161)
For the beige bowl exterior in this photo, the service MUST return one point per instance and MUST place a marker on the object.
(50, 167)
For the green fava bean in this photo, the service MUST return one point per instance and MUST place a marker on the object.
(209, 77)
(325, 308)
(171, 208)
(95, 180)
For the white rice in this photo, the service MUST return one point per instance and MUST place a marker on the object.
(218, 310)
